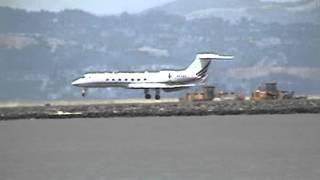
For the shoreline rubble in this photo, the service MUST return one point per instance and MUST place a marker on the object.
(160, 109)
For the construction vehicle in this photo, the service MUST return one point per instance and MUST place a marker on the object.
(206, 93)
(271, 92)
(231, 96)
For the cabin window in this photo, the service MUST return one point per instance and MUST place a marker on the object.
(107, 79)
(144, 79)
(132, 79)
(119, 79)
(113, 79)
(126, 79)
(138, 79)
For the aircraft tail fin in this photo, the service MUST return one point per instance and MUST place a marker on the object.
(202, 62)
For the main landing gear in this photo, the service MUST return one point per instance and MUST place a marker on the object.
(147, 94)
(157, 96)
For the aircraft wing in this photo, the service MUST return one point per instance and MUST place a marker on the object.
(159, 86)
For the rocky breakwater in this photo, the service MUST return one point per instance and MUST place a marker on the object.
(161, 109)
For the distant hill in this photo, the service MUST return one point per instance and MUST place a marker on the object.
(42, 52)
(234, 10)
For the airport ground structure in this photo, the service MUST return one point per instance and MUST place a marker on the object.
(140, 108)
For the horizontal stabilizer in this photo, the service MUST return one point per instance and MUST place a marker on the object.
(214, 56)
(220, 57)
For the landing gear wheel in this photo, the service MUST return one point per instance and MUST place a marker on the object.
(148, 96)
(157, 97)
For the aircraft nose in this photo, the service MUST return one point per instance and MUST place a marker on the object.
(75, 82)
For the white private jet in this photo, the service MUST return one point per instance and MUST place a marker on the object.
(167, 80)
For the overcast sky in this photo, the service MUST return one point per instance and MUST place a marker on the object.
(94, 6)
(100, 7)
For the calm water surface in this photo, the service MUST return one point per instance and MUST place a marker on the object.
(210, 147)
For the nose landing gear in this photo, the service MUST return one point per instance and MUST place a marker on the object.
(84, 92)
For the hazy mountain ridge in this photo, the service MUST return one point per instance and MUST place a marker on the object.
(234, 10)
(42, 52)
